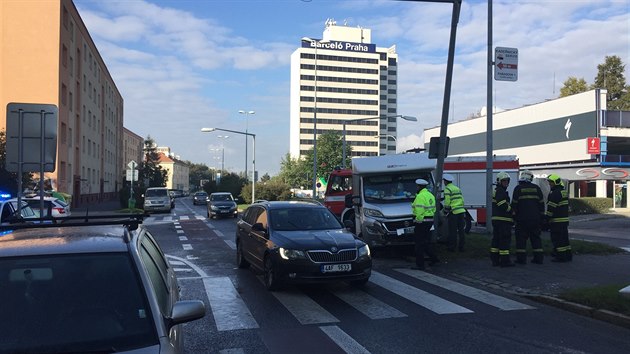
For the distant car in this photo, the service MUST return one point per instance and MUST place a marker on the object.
(200, 198)
(222, 204)
(299, 242)
(157, 199)
(54, 207)
(89, 289)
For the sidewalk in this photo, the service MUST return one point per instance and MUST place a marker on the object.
(545, 282)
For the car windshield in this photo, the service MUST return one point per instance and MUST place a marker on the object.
(221, 197)
(293, 219)
(201, 195)
(156, 193)
(73, 303)
(393, 188)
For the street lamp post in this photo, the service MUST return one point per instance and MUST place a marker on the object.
(343, 140)
(246, 113)
(315, 43)
(209, 130)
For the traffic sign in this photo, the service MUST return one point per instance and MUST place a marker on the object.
(132, 164)
(132, 175)
(593, 146)
(505, 64)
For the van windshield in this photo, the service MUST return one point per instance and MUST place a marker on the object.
(393, 188)
(156, 193)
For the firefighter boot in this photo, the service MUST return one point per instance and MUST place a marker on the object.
(504, 261)
(538, 258)
(521, 258)
(494, 257)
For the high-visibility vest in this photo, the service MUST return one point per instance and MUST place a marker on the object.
(454, 199)
(423, 205)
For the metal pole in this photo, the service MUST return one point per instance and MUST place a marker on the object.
(246, 138)
(343, 150)
(315, 132)
(445, 107)
(489, 124)
(223, 158)
(253, 167)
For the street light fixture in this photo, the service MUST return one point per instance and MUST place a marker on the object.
(246, 113)
(316, 44)
(209, 130)
(343, 152)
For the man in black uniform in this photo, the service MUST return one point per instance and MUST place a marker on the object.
(501, 223)
(558, 220)
(528, 206)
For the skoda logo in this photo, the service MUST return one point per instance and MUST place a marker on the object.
(333, 249)
(407, 223)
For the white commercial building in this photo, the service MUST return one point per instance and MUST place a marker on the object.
(575, 137)
(354, 80)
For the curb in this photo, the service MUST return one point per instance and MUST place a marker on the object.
(602, 315)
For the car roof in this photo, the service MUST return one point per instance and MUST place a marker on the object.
(289, 204)
(201, 193)
(64, 240)
(221, 193)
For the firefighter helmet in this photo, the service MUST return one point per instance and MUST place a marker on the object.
(448, 177)
(555, 179)
(526, 175)
(502, 176)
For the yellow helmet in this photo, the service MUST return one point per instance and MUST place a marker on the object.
(555, 179)
(502, 175)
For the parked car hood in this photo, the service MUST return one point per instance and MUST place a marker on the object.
(316, 239)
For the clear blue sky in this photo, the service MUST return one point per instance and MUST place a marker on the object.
(187, 64)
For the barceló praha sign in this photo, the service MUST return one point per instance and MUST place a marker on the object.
(593, 146)
(505, 64)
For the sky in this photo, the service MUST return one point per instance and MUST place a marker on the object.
(182, 65)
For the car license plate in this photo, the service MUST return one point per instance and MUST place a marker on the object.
(406, 230)
(330, 268)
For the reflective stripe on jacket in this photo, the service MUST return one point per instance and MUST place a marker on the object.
(501, 209)
(558, 205)
(528, 203)
(423, 205)
(453, 199)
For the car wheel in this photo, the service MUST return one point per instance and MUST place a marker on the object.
(271, 280)
(241, 262)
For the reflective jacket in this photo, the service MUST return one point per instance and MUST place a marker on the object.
(558, 206)
(453, 199)
(501, 209)
(423, 206)
(528, 203)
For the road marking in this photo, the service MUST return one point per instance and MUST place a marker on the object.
(303, 308)
(184, 217)
(219, 233)
(228, 308)
(366, 304)
(231, 243)
(343, 340)
(232, 351)
(468, 291)
(199, 217)
(183, 238)
(179, 231)
(191, 257)
(187, 246)
(182, 269)
(177, 263)
(420, 297)
(167, 218)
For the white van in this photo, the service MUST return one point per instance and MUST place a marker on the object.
(157, 199)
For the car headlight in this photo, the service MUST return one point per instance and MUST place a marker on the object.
(372, 213)
(364, 251)
(291, 254)
(214, 207)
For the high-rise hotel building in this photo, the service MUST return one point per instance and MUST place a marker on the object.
(346, 78)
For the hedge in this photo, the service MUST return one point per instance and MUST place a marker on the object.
(589, 205)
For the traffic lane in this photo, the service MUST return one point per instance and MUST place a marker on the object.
(612, 230)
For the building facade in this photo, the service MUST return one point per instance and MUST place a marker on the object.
(177, 172)
(575, 137)
(345, 77)
(133, 148)
(48, 57)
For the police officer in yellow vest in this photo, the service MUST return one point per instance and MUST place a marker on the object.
(455, 213)
(423, 209)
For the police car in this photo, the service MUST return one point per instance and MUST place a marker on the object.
(9, 211)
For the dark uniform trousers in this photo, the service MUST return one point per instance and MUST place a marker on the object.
(500, 245)
(528, 229)
(422, 234)
(559, 233)
(456, 225)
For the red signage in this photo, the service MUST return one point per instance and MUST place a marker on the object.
(593, 146)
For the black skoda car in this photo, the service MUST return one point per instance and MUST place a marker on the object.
(299, 242)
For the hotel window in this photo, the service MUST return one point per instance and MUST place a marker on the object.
(64, 56)
(71, 67)
(70, 101)
(65, 17)
(63, 133)
(69, 137)
(71, 31)
(63, 94)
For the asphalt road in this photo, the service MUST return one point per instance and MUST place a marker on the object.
(399, 311)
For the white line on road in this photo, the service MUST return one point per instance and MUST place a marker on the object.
(366, 304)
(184, 217)
(182, 269)
(179, 231)
(177, 263)
(420, 297)
(343, 340)
(231, 243)
(183, 238)
(468, 291)
(228, 308)
(303, 308)
(187, 246)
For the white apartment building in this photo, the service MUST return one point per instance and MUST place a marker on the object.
(355, 79)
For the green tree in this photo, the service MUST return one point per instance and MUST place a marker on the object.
(610, 76)
(197, 173)
(329, 151)
(274, 189)
(572, 86)
(230, 182)
(265, 178)
(293, 171)
(151, 174)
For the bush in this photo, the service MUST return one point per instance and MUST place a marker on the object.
(589, 205)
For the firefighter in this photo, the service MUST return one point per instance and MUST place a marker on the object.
(557, 219)
(501, 223)
(455, 212)
(423, 209)
(528, 207)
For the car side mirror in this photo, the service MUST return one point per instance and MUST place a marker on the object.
(186, 311)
